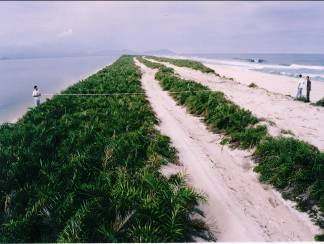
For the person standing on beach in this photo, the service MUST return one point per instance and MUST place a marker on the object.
(36, 95)
(300, 87)
(308, 88)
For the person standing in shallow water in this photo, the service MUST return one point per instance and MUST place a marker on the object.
(36, 95)
(308, 88)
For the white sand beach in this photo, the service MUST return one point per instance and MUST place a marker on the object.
(282, 114)
(239, 207)
(275, 83)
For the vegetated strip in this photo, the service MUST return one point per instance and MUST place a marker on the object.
(239, 125)
(185, 63)
(86, 169)
(292, 166)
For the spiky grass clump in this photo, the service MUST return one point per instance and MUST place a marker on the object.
(86, 169)
(295, 168)
(150, 64)
(186, 63)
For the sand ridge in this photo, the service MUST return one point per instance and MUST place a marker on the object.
(238, 207)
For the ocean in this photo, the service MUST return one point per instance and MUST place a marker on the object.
(311, 65)
(51, 75)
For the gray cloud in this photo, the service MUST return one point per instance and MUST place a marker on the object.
(180, 26)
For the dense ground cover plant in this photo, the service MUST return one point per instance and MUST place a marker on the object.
(185, 63)
(86, 169)
(219, 113)
(297, 169)
(292, 166)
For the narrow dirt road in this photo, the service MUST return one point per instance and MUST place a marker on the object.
(284, 115)
(238, 207)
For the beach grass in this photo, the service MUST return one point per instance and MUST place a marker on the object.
(185, 63)
(295, 168)
(292, 166)
(221, 115)
(86, 169)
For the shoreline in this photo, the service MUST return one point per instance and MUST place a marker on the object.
(24, 109)
(282, 115)
(275, 83)
(287, 84)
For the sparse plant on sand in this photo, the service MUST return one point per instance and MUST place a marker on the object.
(252, 85)
(320, 102)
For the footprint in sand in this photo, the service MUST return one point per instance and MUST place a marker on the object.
(273, 202)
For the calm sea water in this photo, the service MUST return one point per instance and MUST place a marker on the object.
(282, 64)
(51, 75)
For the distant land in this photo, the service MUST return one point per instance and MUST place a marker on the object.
(28, 54)
(161, 52)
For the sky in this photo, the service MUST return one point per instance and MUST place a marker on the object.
(184, 27)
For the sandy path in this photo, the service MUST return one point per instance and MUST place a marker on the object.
(239, 207)
(303, 120)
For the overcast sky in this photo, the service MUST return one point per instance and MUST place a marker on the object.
(191, 27)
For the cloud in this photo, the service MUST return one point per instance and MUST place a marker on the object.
(65, 33)
(247, 26)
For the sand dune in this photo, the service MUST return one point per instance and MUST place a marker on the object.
(239, 208)
(283, 115)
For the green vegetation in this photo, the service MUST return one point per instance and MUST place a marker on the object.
(219, 113)
(185, 63)
(86, 169)
(295, 168)
(302, 99)
(292, 166)
(320, 102)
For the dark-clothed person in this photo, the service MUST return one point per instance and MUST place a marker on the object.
(308, 88)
